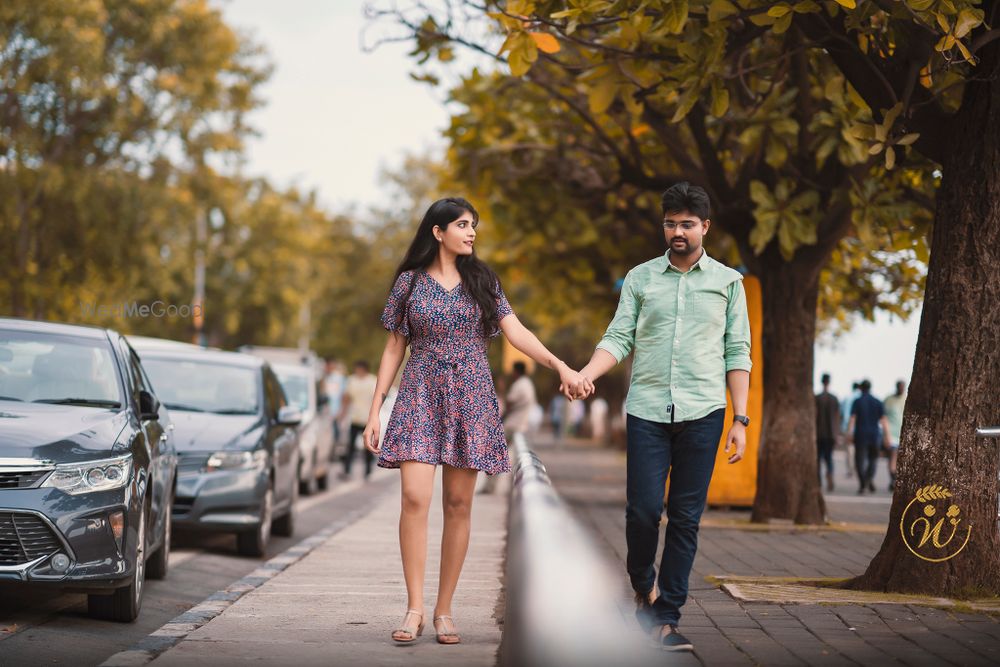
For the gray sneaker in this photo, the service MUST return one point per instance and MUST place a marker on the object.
(675, 641)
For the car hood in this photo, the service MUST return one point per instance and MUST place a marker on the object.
(207, 432)
(60, 433)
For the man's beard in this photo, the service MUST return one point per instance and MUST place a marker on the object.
(683, 248)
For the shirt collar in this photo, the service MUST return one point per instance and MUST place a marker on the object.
(701, 264)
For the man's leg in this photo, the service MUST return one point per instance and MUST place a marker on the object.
(860, 456)
(351, 446)
(647, 462)
(693, 450)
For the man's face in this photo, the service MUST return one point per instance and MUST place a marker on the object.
(684, 232)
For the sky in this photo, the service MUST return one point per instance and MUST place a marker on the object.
(335, 115)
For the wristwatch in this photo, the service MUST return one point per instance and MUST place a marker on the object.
(743, 419)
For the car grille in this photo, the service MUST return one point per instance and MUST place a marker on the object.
(182, 506)
(24, 537)
(22, 479)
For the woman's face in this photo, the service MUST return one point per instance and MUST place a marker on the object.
(459, 235)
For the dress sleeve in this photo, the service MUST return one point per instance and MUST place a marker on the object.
(503, 306)
(394, 315)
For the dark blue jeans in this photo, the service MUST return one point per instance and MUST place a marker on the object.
(687, 451)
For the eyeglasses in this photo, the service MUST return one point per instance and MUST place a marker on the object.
(687, 226)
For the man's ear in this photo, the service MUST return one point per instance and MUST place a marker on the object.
(708, 223)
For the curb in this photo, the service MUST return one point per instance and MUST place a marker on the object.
(177, 629)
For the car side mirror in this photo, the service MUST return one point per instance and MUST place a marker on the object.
(149, 405)
(289, 415)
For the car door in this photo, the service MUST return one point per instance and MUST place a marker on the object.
(156, 441)
(285, 439)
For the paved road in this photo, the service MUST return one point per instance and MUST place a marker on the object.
(48, 628)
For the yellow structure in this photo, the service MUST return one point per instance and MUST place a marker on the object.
(736, 484)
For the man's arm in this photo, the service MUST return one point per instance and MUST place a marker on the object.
(618, 340)
(738, 381)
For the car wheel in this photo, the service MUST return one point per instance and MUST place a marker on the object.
(159, 562)
(254, 542)
(124, 604)
(285, 526)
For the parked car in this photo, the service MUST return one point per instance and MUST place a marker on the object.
(87, 466)
(237, 443)
(316, 429)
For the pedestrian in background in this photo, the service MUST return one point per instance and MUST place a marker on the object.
(358, 394)
(867, 415)
(446, 304)
(845, 419)
(515, 407)
(827, 430)
(599, 419)
(894, 417)
(334, 383)
(685, 315)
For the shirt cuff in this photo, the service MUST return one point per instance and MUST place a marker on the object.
(741, 363)
(616, 350)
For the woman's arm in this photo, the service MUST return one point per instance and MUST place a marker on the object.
(525, 341)
(392, 357)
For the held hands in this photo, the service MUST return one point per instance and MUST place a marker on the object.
(371, 435)
(736, 442)
(574, 385)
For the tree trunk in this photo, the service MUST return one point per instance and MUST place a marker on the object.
(787, 479)
(956, 376)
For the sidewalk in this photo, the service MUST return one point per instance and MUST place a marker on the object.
(727, 628)
(338, 605)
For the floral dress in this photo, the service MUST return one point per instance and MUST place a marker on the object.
(446, 410)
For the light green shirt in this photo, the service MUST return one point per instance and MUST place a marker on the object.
(688, 330)
(894, 415)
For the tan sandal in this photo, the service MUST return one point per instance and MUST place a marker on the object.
(409, 631)
(446, 637)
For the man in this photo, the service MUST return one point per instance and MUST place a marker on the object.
(518, 403)
(334, 383)
(356, 403)
(845, 419)
(685, 316)
(827, 429)
(894, 417)
(520, 399)
(867, 415)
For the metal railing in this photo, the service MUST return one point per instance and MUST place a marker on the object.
(990, 432)
(562, 600)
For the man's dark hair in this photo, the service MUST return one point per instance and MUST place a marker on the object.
(825, 379)
(361, 363)
(686, 197)
(520, 368)
(856, 385)
(866, 386)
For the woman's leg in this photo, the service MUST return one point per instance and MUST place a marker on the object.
(459, 485)
(418, 487)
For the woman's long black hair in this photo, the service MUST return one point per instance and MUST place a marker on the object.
(478, 279)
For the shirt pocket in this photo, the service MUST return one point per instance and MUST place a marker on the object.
(707, 307)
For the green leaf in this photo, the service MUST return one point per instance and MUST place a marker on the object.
(720, 9)
(720, 99)
(602, 94)
(783, 24)
(777, 11)
(849, 4)
(675, 15)
(908, 139)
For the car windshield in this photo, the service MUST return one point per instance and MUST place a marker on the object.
(296, 388)
(57, 368)
(204, 386)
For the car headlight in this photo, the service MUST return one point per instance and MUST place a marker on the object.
(89, 476)
(236, 460)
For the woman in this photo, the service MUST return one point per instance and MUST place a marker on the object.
(446, 304)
